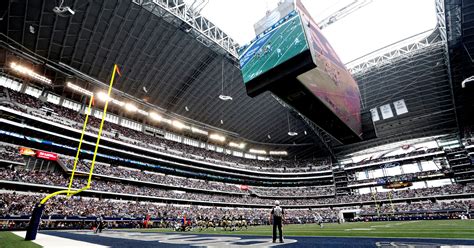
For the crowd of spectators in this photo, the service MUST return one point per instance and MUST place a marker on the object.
(24, 99)
(414, 193)
(15, 204)
(3, 93)
(409, 177)
(146, 176)
(139, 138)
(293, 191)
(418, 211)
(10, 153)
(57, 179)
(415, 207)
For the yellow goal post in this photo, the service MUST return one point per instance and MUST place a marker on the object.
(69, 191)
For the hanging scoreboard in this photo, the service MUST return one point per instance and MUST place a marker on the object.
(293, 60)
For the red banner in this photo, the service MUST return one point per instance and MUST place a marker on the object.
(47, 155)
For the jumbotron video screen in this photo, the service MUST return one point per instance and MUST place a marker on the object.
(284, 40)
(329, 81)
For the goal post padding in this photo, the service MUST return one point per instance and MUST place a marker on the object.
(35, 220)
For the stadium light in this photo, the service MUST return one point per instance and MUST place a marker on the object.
(200, 131)
(257, 151)
(237, 145)
(143, 112)
(79, 89)
(103, 96)
(225, 98)
(115, 101)
(155, 116)
(217, 137)
(180, 125)
(30, 73)
(166, 121)
(130, 107)
(292, 133)
(282, 153)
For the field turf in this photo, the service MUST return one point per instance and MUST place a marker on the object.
(455, 229)
(10, 240)
(439, 231)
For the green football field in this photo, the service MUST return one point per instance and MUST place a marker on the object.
(459, 229)
(442, 229)
(10, 240)
(286, 42)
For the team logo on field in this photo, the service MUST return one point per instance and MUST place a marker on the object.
(196, 240)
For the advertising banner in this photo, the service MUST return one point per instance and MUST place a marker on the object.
(47, 155)
(27, 151)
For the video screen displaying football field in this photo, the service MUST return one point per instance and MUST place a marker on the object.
(277, 46)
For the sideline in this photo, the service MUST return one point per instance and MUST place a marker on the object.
(50, 241)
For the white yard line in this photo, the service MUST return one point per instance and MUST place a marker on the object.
(50, 241)
(395, 224)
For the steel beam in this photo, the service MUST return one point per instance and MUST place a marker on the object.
(192, 22)
(397, 50)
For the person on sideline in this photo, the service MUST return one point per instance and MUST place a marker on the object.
(277, 217)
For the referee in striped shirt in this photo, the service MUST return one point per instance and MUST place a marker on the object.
(277, 217)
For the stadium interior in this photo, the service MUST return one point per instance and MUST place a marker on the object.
(183, 147)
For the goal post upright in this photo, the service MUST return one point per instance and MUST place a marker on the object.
(104, 114)
(35, 219)
(76, 159)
